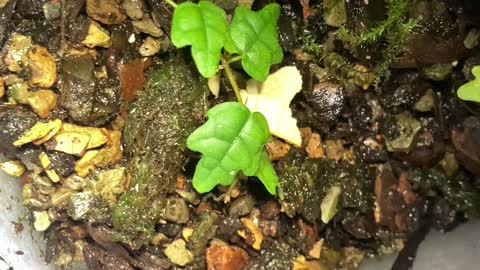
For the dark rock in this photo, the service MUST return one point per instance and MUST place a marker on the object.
(85, 99)
(467, 144)
(162, 14)
(274, 255)
(170, 229)
(241, 206)
(426, 150)
(106, 11)
(62, 163)
(28, 154)
(360, 112)
(14, 121)
(326, 100)
(462, 195)
(6, 13)
(370, 151)
(288, 27)
(77, 89)
(359, 225)
(270, 209)
(445, 216)
(30, 8)
(176, 210)
(76, 25)
(403, 90)
(202, 234)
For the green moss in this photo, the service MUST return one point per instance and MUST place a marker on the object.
(165, 113)
(390, 36)
(342, 70)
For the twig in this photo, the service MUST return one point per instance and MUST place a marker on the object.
(234, 59)
(229, 73)
(171, 3)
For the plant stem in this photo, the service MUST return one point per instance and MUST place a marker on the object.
(229, 73)
(171, 3)
(234, 59)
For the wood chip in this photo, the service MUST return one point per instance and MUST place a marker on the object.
(316, 250)
(187, 233)
(334, 149)
(277, 149)
(252, 235)
(13, 167)
(42, 68)
(2, 87)
(406, 189)
(46, 162)
(39, 131)
(314, 147)
(132, 79)
(225, 257)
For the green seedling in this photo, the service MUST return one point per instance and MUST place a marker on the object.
(232, 140)
(471, 90)
(203, 26)
(251, 35)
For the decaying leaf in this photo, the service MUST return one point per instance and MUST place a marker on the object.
(272, 98)
(39, 131)
(214, 84)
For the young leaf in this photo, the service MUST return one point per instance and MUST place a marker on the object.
(471, 90)
(266, 173)
(203, 26)
(253, 35)
(231, 140)
(272, 98)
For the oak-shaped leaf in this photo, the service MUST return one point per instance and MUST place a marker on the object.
(204, 27)
(272, 98)
(232, 140)
(253, 35)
